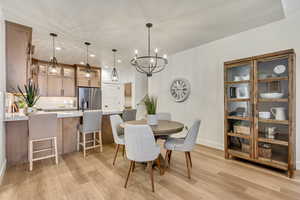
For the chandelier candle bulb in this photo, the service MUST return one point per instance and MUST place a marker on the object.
(156, 50)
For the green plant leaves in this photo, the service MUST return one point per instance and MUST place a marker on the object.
(31, 94)
(151, 104)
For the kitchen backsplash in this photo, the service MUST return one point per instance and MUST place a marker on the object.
(54, 103)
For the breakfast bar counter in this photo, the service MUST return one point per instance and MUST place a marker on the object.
(68, 121)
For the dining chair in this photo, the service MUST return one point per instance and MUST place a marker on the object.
(91, 124)
(115, 121)
(141, 147)
(164, 116)
(129, 115)
(185, 145)
(42, 128)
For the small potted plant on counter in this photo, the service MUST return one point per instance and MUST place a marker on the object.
(30, 96)
(151, 105)
(21, 105)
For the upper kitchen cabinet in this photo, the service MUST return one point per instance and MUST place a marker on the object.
(88, 79)
(18, 50)
(68, 81)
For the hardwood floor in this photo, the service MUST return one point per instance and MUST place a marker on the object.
(213, 177)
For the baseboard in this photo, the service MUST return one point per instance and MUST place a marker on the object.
(2, 171)
(210, 143)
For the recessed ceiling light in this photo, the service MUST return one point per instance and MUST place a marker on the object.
(92, 55)
(119, 61)
(82, 63)
(58, 48)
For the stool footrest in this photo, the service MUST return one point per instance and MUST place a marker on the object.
(44, 157)
(42, 150)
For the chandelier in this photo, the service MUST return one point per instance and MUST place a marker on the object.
(114, 73)
(149, 64)
(53, 64)
(88, 67)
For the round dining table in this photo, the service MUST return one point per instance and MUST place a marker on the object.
(161, 130)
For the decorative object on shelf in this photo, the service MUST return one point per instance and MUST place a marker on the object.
(149, 64)
(271, 132)
(242, 92)
(53, 64)
(232, 92)
(239, 112)
(114, 73)
(151, 105)
(30, 96)
(245, 130)
(279, 69)
(180, 89)
(278, 113)
(273, 95)
(264, 115)
(88, 67)
(265, 151)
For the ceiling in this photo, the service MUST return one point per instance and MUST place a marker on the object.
(120, 24)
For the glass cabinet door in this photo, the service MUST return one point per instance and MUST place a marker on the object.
(238, 108)
(272, 108)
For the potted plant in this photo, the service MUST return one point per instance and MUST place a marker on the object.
(21, 105)
(151, 105)
(30, 96)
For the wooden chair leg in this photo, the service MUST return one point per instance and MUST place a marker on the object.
(159, 165)
(55, 150)
(130, 168)
(169, 158)
(123, 151)
(190, 158)
(116, 153)
(84, 144)
(100, 141)
(151, 175)
(188, 164)
(78, 140)
(133, 166)
(94, 139)
(30, 154)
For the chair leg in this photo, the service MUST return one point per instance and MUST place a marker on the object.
(94, 139)
(190, 158)
(130, 168)
(55, 150)
(151, 175)
(116, 154)
(123, 151)
(133, 166)
(188, 164)
(84, 144)
(169, 158)
(159, 165)
(30, 154)
(100, 141)
(78, 140)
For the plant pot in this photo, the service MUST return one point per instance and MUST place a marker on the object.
(29, 110)
(152, 120)
(22, 111)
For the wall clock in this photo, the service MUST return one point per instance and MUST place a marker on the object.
(180, 89)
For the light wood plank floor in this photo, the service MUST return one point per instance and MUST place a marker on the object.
(213, 177)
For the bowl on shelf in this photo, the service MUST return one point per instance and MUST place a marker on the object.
(273, 95)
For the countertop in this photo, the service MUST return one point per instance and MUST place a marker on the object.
(60, 114)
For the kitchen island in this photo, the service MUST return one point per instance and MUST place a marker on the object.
(68, 121)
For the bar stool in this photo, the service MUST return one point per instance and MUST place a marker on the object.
(91, 124)
(42, 127)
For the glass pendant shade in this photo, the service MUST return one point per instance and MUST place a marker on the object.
(114, 73)
(88, 67)
(53, 66)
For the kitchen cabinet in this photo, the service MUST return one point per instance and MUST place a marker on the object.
(18, 46)
(93, 79)
(68, 81)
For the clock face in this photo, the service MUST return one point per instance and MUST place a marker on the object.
(279, 69)
(180, 89)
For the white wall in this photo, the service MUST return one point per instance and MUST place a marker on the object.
(2, 92)
(203, 67)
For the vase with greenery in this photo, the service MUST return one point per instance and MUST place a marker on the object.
(30, 95)
(151, 105)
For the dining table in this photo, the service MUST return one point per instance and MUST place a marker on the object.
(163, 129)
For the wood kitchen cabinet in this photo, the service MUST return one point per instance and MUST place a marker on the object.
(93, 80)
(18, 45)
(60, 82)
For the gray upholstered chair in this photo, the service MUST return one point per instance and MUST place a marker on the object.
(164, 116)
(129, 115)
(184, 145)
(115, 121)
(91, 124)
(141, 147)
(42, 128)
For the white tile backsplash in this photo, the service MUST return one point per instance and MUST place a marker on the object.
(52, 103)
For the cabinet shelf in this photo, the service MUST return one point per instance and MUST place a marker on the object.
(238, 99)
(273, 79)
(239, 154)
(239, 118)
(237, 82)
(239, 135)
(274, 100)
(273, 121)
(273, 163)
(273, 141)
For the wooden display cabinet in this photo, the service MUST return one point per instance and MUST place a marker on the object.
(259, 122)
(93, 80)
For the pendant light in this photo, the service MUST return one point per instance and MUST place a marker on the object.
(114, 73)
(53, 64)
(88, 67)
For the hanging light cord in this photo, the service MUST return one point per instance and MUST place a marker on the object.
(149, 41)
(87, 54)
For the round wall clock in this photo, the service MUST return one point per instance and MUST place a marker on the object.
(180, 89)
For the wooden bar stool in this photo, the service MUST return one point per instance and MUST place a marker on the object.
(42, 128)
(91, 124)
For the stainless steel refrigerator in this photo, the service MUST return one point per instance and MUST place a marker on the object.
(89, 98)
